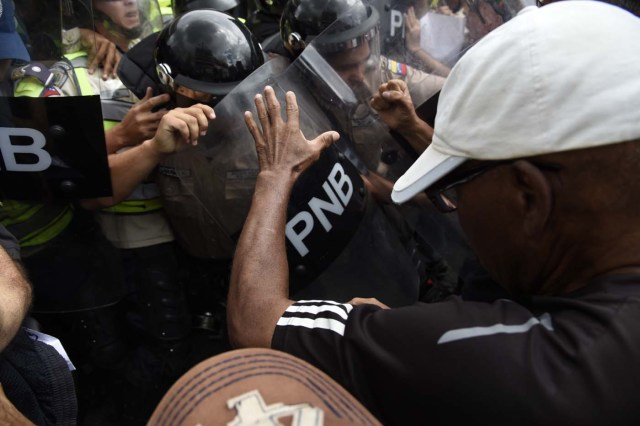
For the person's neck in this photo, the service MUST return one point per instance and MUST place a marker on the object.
(593, 257)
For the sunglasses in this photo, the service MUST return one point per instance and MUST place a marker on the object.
(445, 195)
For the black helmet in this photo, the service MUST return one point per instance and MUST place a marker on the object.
(206, 51)
(303, 20)
(227, 6)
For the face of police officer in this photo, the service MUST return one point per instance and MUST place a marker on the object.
(124, 15)
(352, 66)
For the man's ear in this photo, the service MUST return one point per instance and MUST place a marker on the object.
(535, 197)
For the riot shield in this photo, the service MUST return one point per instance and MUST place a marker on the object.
(53, 147)
(444, 29)
(434, 241)
(125, 23)
(335, 233)
(54, 159)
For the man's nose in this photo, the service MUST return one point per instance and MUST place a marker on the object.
(357, 74)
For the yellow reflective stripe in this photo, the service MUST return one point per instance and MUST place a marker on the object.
(166, 11)
(29, 86)
(81, 72)
(108, 124)
(83, 81)
(17, 212)
(136, 206)
(45, 235)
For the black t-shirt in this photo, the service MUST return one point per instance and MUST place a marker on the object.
(551, 360)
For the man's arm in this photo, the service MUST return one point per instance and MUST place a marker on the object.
(393, 104)
(259, 288)
(181, 126)
(15, 297)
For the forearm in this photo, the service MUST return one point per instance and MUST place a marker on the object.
(432, 65)
(419, 134)
(128, 169)
(16, 298)
(259, 288)
(114, 140)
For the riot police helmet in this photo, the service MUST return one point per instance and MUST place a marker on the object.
(351, 22)
(203, 54)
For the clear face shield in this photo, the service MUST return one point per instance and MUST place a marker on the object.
(422, 40)
(352, 48)
(126, 22)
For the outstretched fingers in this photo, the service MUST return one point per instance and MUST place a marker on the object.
(293, 114)
(255, 131)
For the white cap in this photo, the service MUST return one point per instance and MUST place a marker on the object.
(562, 77)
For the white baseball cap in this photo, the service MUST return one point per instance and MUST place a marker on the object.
(561, 77)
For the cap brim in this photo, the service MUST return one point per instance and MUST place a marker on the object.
(12, 47)
(258, 386)
(430, 167)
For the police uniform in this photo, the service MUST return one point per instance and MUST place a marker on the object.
(76, 273)
(139, 227)
(166, 10)
(549, 360)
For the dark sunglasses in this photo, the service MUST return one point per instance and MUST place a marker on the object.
(445, 195)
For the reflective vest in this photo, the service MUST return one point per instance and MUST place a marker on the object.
(166, 10)
(35, 224)
(146, 197)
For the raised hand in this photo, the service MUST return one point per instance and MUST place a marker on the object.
(281, 146)
(180, 127)
(102, 52)
(141, 122)
(412, 31)
(393, 104)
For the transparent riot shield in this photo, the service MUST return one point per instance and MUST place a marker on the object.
(207, 193)
(441, 29)
(54, 160)
(361, 55)
(421, 41)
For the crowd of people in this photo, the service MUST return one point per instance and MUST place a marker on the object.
(428, 205)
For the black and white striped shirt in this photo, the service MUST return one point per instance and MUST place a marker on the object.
(555, 360)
